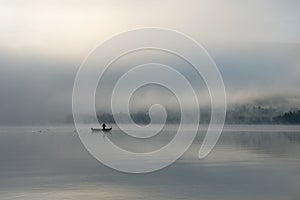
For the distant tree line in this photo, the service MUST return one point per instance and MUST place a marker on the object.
(238, 115)
(261, 115)
(292, 117)
(251, 115)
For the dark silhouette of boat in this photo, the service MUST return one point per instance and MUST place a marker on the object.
(101, 129)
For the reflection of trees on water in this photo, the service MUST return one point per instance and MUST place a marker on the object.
(278, 144)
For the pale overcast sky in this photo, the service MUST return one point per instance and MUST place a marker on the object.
(256, 45)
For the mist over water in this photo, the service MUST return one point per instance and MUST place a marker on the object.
(248, 162)
(38, 90)
(256, 47)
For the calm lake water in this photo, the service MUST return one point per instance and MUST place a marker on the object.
(248, 162)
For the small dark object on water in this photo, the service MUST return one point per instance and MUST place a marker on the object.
(104, 129)
(99, 129)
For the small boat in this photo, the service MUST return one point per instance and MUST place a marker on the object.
(101, 129)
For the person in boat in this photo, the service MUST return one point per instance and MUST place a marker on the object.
(103, 126)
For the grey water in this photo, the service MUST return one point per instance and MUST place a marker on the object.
(248, 162)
